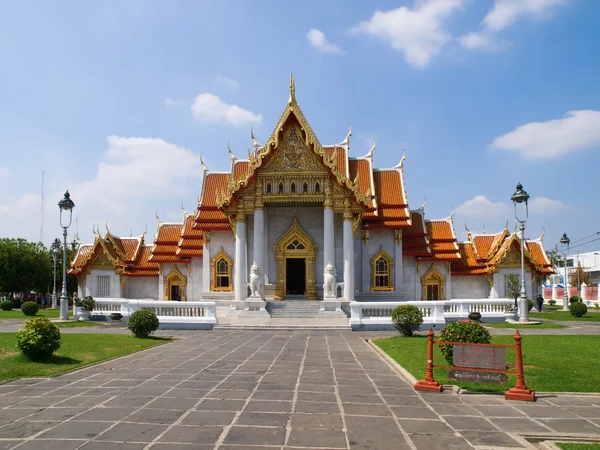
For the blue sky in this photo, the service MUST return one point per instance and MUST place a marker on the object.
(115, 101)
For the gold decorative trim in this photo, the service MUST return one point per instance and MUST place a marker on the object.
(398, 236)
(365, 236)
(308, 252)
(213, 270)
(389, 265)
(435, 278)
(175, 278)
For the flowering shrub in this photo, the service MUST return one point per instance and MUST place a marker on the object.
(551, 302)
(462, 331)
(407, 319)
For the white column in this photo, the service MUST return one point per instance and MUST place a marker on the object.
(365, 262)
(328, 237)
(239, 265)
(448, 282)
(259, 233)
(206, 257)
(348, 257)
(266, 249)
(398, 263)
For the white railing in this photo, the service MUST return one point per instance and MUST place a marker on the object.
(435, 313)
(171, 314)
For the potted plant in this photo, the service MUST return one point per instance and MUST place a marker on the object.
(86, 305)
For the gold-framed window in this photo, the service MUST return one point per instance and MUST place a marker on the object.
(221, 267)
(382, 272)
(433, 283)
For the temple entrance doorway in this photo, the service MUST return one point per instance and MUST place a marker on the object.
(175, 293)
(295, 282)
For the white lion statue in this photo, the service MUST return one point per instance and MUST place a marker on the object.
(329, 278)
(256, 283)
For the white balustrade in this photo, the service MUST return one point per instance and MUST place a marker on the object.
(435, 313)
(170, 314)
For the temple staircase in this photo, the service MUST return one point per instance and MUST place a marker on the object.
(293, 309)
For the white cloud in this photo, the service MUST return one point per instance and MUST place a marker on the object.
(210, 108)
(578, 130)
(417, 31)
(545, 205)
(481, 207)
(226, 81)
(172, 103)
(505, 13)
(319, 42)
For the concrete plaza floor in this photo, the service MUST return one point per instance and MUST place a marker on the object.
(270, 389)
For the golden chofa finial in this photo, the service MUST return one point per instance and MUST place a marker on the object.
(157, 218)
(424, 204)
(292, 99)
(346, 140)
(183, 207)
(255, 142)
(232, 156)
(204, 168)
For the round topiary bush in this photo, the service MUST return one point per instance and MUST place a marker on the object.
(30, 308)
(574, 299)
(38, 338)
(529, 304)
(142, 323)
(578, 309)
(6, 305)
(462, 331)
(407, 319)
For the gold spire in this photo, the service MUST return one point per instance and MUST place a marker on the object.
(292, 99)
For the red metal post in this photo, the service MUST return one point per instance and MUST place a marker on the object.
(520, 391)
(429, 384)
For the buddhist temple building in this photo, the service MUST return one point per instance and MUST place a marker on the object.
(300, 219)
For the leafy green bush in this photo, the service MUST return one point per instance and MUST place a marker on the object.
(142, 323)
(407, 319)
(462, 331)
(578, 309)
(38, 338)
(86, 303)
(30, 308)
(551, 302)
(529, 304)
(574, 299)
(6, 305)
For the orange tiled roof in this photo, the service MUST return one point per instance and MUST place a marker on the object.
(191, 241)
(165, 243)
(207, 214)
(539, 257)
(143, 266)
(342, 158)
(392, 208)
(444, 246)
(240, 168)
(362, 167)
(415, 241)
(468, 263)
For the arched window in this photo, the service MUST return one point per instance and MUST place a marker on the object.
(293, 188)
(381, 272)
(305, 188)
(433, 285)
(221, 272)
(281, 188)
(269, 188)
(295, 245)
(317, 188)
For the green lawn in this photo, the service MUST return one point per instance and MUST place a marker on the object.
(18, 314)
(566, 315)
(77, 350)
(552, 363)
(76, 324)
(570, 446)
(523, 327)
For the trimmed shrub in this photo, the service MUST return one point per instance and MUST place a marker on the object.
(30, 308)
(6, 305)
(578, 309)
(407, 319)
(462, 331)
(142, 323)
(38, 338)
(551, 302)
(529, 304)
(574, 299)
(86, 303)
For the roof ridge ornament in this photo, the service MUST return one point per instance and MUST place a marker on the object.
(233, 157)
(401, 163)
(292, 99)
(346, 141)
(204, 168)
(423, 205)
(452, 213)
(157, 218)
(183, 208)
(256, 144)
(370, 154)
(469, 236)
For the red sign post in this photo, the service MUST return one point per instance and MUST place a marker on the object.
(487, 364)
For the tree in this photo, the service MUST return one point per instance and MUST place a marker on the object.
(513, 287)
(555, 259)
(579, 276)
(24, 266)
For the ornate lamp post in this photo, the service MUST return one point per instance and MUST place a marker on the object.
(55, 249)
(564, 242)
(66, 204)
(521, 196)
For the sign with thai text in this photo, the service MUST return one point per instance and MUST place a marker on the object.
(479, 356)
(477, 377)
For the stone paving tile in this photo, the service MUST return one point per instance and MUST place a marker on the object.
(104, 414)
(491, 439)
(51, 444)
(145, 415)
(374, 433)
(519, 425)
(436, 442)
(319, 421)
(571, 425)
(112, 445)
(255, 436)
(78, 430)
(263, 419)
(17, 430)
(317, 438)
(450, 409)
(132, 432)
(192, 434)
(420, 426)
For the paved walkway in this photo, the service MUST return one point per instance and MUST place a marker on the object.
(267, 389)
